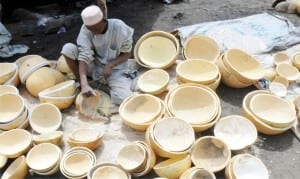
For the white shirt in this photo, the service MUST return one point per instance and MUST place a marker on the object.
(102, 48)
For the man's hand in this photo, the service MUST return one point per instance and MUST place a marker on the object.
(107, 71)
(87, 90)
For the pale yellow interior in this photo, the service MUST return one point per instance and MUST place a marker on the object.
(141, 108)
(244, 64)
(109, 172)
(153, 80)
(157, 51)
(194, 105)
(272, 109)
(45, 118)
(210, 153)
(131, 156)
(43, 156)
(11, 106)
(174, 134)
(198, 70)
(201, 47)
(78, 163)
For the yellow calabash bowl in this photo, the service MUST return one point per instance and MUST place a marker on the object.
(40, 80)
(273, 110)
(62, 65)
(17, 169)
(29, 65)
(260, 125)
(197, 71)
(228, 78)
(287, 71)
(154, 81)
(43, 157)
(7, 70)
(173, 168)
(66, 88)
(132, 157)
(201, 46)
(244, 67)
(45, 118)
(60, 102)
(15, 142)
(11, 106)
(167, 36)
(211, 153)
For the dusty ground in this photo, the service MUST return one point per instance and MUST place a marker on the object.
(281, 153)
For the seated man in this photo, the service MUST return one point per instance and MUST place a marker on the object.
(102, 52)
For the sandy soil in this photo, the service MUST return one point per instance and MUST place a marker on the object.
(280, 153)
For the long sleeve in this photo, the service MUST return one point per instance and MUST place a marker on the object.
(85, 46)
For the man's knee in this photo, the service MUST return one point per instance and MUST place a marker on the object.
(70, 50)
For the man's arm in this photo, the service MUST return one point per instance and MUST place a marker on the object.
(86, 89)
(120, 59)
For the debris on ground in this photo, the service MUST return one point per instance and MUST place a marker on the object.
(7, 50)
(46, 23)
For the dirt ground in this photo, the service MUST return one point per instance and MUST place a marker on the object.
(280, 153)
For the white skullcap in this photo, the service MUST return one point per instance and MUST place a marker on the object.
(91, 15)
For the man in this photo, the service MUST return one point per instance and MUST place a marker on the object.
(102, 53)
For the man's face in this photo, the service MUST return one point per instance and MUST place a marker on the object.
(98, 28)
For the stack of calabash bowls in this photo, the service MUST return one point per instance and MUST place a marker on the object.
(133, 157)
(156, 49)
(201, 47)
(194, 103)
(45, 118)
(44, 159)
(13, 112)
(61, 95)
(170, 137)
(139, 111)
(239, 69)
(136, 158)
(237, 131)
(199, 71)
(269, 113)
(85, 137)
(76, 162)
(154, 81)
(211, 153)
(246, 166)
(9, 74)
